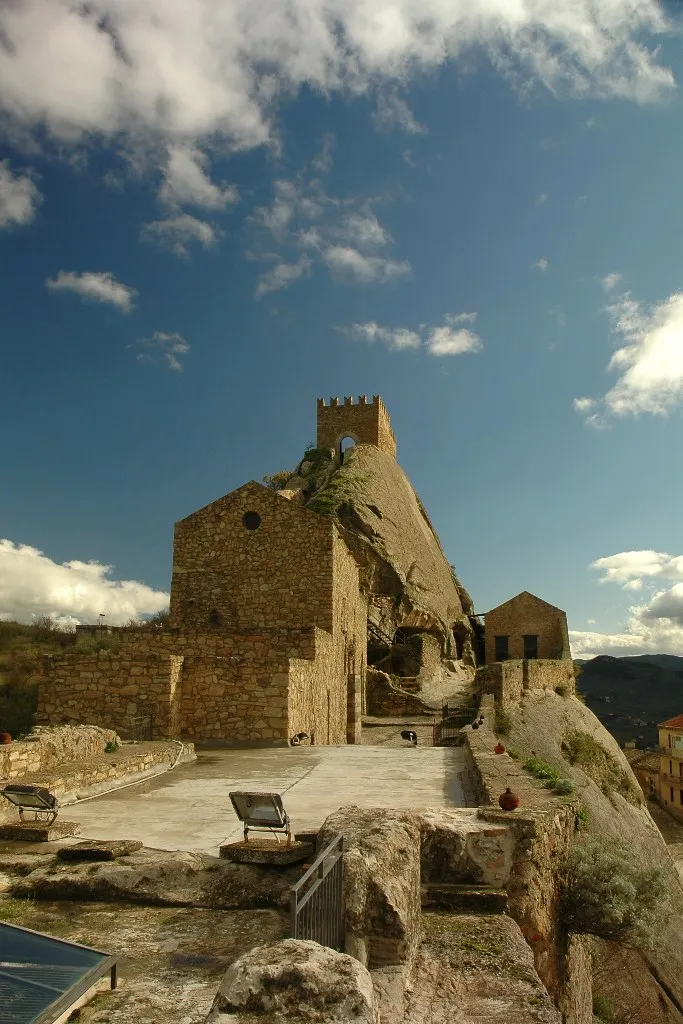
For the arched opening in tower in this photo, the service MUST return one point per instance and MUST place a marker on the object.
(344, 445)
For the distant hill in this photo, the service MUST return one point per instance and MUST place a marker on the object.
(632, 695)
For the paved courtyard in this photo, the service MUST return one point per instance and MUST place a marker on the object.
(189, 808)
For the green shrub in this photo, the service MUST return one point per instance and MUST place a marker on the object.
(276, 481)
(18, 702)
(603, 1010)
(561, 690)
(111, 748)
(606, 893)
(502, 722)
(563, 787)
(582, 820)
(541, 770)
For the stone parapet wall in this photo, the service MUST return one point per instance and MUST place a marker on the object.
(508, 680)
(366, 422)
(48, 746)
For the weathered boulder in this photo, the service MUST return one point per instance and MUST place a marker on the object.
(295, 980)
(381, 882)
(160, 878)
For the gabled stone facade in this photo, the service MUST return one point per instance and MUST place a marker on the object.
(526, 616)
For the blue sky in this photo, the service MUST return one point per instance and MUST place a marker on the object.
(210, 216)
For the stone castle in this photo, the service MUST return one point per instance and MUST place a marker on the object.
(279, 599)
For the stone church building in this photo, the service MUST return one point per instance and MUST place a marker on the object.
(268, 623)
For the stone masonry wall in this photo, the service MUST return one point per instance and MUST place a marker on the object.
(366, 422)
(229, 578)
(385, 699)
(325, 693)
(527, 614)
(508, 680)
(46, 747)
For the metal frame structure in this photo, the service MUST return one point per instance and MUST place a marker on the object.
(42, 804)
(316, 901)
(10, 974)
(260, 823)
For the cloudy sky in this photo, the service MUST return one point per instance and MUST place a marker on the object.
(211, 214)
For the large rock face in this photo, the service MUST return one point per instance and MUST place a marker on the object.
(646, 987)
(407, 577)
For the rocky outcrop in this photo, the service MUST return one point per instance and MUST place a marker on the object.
(386, 698)
(563, 732)
(159, 878)
(295, 980)
(403, 567)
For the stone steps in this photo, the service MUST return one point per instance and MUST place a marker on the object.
(463, 899)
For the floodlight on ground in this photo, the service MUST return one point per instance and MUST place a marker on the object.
(262, 812)
(35, 800)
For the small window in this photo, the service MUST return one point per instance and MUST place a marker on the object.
(671, 790)
(671, 768)
(501, 648)
(530, 646)
(252, 520)
(215, 618)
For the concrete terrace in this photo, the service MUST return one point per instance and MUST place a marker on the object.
(189, 807)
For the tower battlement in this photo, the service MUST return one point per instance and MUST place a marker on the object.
(365, 422)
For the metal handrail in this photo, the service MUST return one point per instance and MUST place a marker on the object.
(316, 901)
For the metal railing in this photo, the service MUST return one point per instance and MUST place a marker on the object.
(316, 901)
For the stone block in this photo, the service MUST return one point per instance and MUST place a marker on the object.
(266, 851)
(99, 849)
(38, 831)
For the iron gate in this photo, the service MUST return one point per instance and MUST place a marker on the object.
(316, 901)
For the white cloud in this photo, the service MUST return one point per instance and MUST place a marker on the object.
(167, 348)
(322, 162)
(650, 362)
(176, 233)
(447, 339)
(350, 264)
(592, 622)
(19, 197)
(610, 281)
(282, 275)
(627, 566)
(656, 625)
(542, 199)
(584, 404)
(393, 112)
(32, 585)
(186, 181)
(95, 287)
(150, 72)
(541, 264)
(397, 338)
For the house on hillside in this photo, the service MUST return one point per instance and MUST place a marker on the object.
(525, 627)
(671, 765)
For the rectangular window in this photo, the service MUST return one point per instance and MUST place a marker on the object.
(530, 646)
(671, 789)
(501, 648)
(671, 770)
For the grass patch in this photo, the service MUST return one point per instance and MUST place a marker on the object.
(549, 776)
(337, 492)
(582, 749)
(603, 1009)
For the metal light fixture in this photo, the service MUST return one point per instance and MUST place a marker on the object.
(262, 812)
(40, 802)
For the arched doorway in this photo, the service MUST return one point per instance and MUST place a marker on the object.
(345, 443)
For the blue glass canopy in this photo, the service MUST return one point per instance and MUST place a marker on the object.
(41, 977)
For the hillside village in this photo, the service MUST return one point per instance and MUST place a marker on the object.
(320, 647)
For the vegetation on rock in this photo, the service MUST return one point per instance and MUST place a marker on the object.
(277, 481)
(582, 749)
(502, 722)
(549, 776)
(607, 894)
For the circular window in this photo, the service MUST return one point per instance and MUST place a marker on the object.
(252, 520)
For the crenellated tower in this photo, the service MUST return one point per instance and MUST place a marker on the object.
(365, 422)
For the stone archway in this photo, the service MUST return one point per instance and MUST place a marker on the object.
(345, 443)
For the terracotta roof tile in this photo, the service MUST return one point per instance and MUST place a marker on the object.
(672, 723)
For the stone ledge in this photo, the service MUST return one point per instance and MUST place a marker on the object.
(38, 831)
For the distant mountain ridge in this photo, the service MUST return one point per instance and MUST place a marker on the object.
(632, 695)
